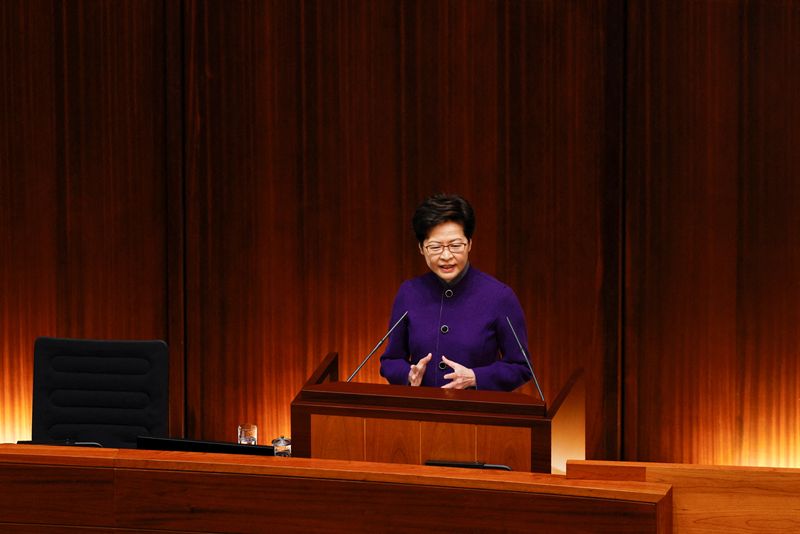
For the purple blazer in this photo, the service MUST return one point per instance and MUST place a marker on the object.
(465, 322)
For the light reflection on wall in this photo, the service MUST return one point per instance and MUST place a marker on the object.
(768, 442)
(16, 383)
(16, 422)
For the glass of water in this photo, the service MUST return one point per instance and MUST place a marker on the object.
(248, 434)
(282, 446)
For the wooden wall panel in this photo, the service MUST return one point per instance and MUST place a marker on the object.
(354, 232)
(313, 130)
(768, 286)
(337, 437)
(443, 441)
(245, 284)
(395, 441)
(559, 202)
(712, 170)
(84, 195)
(510, 444)
(27, 203)
(306, 133)
(111, 163)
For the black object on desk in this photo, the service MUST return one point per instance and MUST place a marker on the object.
(65, 442)
(469, 465)
(191, 445)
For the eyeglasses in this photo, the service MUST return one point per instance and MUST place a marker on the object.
(434, 249)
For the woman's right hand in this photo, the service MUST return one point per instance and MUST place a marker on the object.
(417, 370)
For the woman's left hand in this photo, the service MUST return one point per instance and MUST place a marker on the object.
(461, 377)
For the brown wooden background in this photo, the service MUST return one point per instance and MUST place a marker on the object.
(238, 177)
(712, 344)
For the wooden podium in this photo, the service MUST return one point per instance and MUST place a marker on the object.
(400, 424)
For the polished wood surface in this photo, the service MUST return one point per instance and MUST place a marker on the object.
(83, 199)
(157, 491)
(569, 424)
(442, 441)
(313, 130)
(711, 340)
(27, 214)
(237, 179)
(509, 446)
(247, 308)
(416, 442)
(175, 215)
(392, 441)
(338, 437)
(43, 489)
(397, 424)
(713, 499)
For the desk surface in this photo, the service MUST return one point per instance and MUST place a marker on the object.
(185, 491)
(714, 499)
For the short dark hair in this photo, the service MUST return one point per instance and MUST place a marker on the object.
(442, 208)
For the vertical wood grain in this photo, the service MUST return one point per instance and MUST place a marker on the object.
(313, 130)
(83, 181)
(175, 212)
(111, 188)
(447, 441)
(245, 282)
(768, 286)
(559, 208)
(505, 445)
(396, 441)
(337, 437)
(273, 152)
(27, 203)
(353, 235)
(711, 341)
(682, 236)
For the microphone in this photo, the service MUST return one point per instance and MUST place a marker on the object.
(527, 360)
(378, 345)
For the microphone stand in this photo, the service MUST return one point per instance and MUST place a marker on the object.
(527, 359)
(377, 346)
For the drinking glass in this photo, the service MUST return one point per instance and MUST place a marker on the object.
(248, 434)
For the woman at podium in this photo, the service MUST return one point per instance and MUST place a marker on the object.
(464, 328)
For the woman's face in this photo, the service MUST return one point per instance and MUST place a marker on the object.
(445, 263)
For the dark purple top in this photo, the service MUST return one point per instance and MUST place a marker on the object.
(465, 322)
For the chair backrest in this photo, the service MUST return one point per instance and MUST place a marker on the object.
(107, 392)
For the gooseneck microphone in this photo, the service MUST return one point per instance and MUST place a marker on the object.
(527, 359)
(377, 346)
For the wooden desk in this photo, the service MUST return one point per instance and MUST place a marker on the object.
(70, 489)
(713, 499)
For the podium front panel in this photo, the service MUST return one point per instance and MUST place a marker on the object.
(406, 441)
(399, 424)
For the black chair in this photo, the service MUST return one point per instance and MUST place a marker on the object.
(106, 392)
